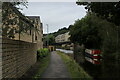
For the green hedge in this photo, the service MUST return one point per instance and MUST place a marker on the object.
(41, 53)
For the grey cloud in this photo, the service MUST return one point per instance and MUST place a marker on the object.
(56, 15)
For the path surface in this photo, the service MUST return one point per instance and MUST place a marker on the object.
(56, 68)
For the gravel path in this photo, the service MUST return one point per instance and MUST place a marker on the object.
(56, 68)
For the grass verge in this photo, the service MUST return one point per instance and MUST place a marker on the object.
(76, 72)
(43, 65)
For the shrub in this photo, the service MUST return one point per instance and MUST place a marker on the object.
(41, 53)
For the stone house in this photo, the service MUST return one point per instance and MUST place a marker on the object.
(34, 36)
(37, 36)
(31, 30)
(19, 42)
(62, 38)
(64, 41)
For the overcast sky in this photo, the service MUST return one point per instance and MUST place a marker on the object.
(56, 14)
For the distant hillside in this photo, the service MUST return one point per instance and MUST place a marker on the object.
(51, 36)
(60, 31)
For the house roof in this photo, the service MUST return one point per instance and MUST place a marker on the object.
(35, 17)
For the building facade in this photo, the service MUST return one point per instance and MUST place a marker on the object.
(62, 38)
(63, 41)
(37, 35)
(20, 38)
(21, 27)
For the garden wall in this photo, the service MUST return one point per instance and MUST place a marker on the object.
(16, 57)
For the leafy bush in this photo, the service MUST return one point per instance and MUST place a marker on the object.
(41, 53)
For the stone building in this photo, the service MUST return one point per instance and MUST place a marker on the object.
(63, 41)
(37, 36)
(24, 28)
(62, 38)
(34, 36)
(19, 42)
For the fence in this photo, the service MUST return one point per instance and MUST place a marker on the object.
(17, 57)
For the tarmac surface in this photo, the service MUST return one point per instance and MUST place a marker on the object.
(56, 68)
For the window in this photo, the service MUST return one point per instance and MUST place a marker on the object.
(35, 37)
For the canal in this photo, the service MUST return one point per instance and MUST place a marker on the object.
(65, 51)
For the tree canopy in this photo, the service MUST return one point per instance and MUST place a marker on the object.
(61, 31)
(107, 10)
(85, 31)
(49, 39)
(13, 17)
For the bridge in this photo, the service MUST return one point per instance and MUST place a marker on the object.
(60, 43)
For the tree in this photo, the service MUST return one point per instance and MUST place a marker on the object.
(12, 17)
(107, 10)
(85, 31)
(60, 31)
(49, 39)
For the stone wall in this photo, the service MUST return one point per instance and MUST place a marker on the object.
(17, 57)
(0, 59)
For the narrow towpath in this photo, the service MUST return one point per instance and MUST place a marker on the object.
(56, 68)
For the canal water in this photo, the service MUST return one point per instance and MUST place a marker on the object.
(65, 51)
